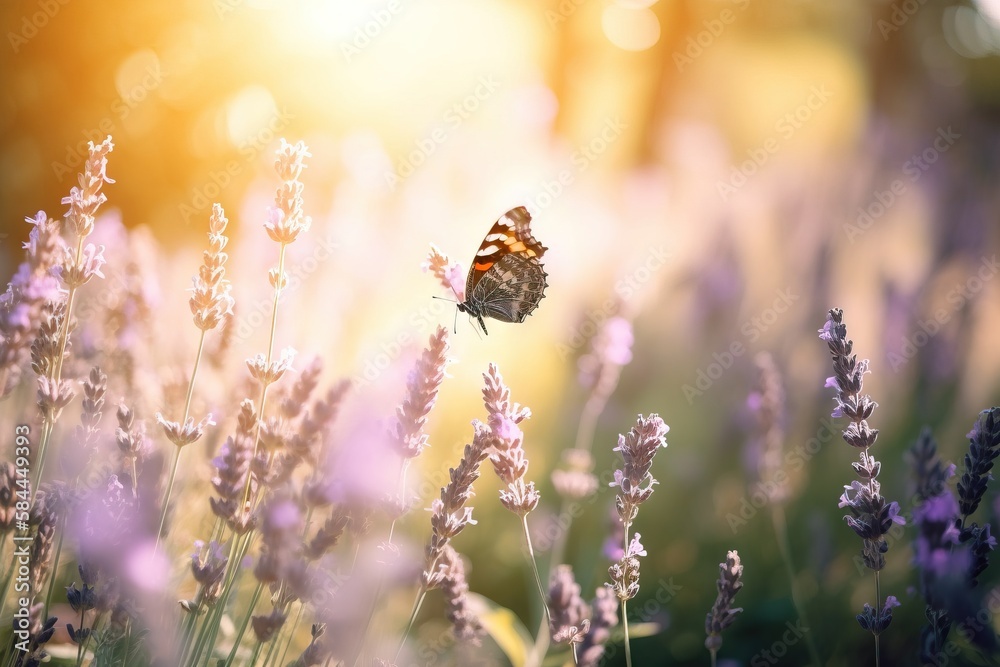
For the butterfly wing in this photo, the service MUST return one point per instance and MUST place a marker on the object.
(511, 289)
(509, 236)
(506, 280)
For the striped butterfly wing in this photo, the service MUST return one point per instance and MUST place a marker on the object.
(506, 280)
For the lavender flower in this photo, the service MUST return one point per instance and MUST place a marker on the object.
(876, 621)
(625, 573)
(315, 652)
(610, 350)
(634, 480)
(208, 565)
(35, 282)
(604, 619)
(465, 624)
(52, 394)
(232, 468)
(635, 484)
(268, 373)
(183, 435)
(422, 387)
(286, 220)
(575, 481)
(329, 533)
(265, 627)
(94, 389)
(281, 526)
(210, 300)
(871, 515)
(767, 402)
(84, 200)
(508, 458)
(984, 446)
(296, 399)
(133, 445)
(570, 622)
(448, 273)
(449, 515)
(723, 613)
(8, 496)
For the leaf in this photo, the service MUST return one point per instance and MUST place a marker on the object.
(504, 627)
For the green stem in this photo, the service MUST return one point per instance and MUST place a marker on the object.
(55, 568)
(781, 533)
(534, 569)
(413, 617)
(878, 606)
(401, 488)
(270, 353)
(243, 626)
(628, 645)
(48, 424)
(211, 622)
(291, 631)
(177, 450)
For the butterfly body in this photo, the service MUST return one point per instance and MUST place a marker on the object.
(506, 280)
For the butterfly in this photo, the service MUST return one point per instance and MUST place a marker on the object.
(506, 281)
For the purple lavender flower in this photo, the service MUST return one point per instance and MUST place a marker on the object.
(723, 613)
(871, 515)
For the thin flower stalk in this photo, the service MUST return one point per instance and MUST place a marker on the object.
(408, 440)
(767, 402)
(210, 304)
(599, 371)
(449, 517)
(510, 462)
(286, 220)
(871, 515)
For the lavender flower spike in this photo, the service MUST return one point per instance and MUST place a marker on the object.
(634, 479)
(723, 613)
(421, 392)
(871, 515)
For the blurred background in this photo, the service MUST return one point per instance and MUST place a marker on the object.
(719, 173)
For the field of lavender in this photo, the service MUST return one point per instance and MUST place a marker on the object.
(287, 377)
